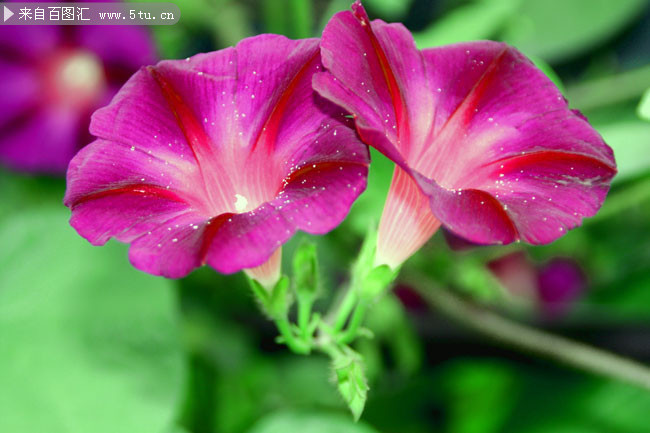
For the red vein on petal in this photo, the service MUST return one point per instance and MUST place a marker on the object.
(142, 189)
(195, 135)
(269, 131)
(515, 161)
(431, 157)
(212, 227)
(393, 88)
(477, 91)
(317, 168)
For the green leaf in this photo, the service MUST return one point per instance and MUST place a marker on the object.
(480, 395)
(351, 380)
(305, 271)
(559, 29)
(312, 422)
(477, 20)
(644, 106)
(89, 344)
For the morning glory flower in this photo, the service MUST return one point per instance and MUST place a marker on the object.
(553, 287)
(218, 159)
(51, 79)
(483, 142)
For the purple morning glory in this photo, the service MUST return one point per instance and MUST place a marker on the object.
(51, 79)
(218, 159)
(484, 143)
(554, 287)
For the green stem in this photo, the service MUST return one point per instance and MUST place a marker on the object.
(535, 341)
(345, 308)
(350, 333)
(296, 345)
(304, 317)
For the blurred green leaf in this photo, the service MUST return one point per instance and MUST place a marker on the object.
(285, 422)
(558, 29)
(389, 323)
(644, 106)
(630, 141)
(595, 406)
(480, 395)
(480, 19)
(88, 343)
(389, 9)
(333, 7)
(266, 384)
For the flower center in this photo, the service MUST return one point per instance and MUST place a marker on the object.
(76, 78)
(240, 203)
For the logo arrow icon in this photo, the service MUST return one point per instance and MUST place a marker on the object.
(8, 13)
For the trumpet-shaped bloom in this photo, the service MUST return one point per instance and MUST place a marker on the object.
(217, 159)
(51, 80)
(484, 143)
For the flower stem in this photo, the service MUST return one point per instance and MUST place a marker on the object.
(358, 315)
(345, 308)
(304, 317)
(535, 341)
(295, 344)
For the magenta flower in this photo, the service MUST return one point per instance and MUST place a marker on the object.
(51, 79)
(553, 287)
(484, 143)
(217, 159)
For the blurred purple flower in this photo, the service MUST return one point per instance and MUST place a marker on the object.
(51, 79)
(483, 141)
(553, 287)
(559, 283)
(218, 159)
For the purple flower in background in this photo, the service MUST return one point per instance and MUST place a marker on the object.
(553, 287)
(218, 159)
(51, 79)
(560, 282)
(483, 141)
